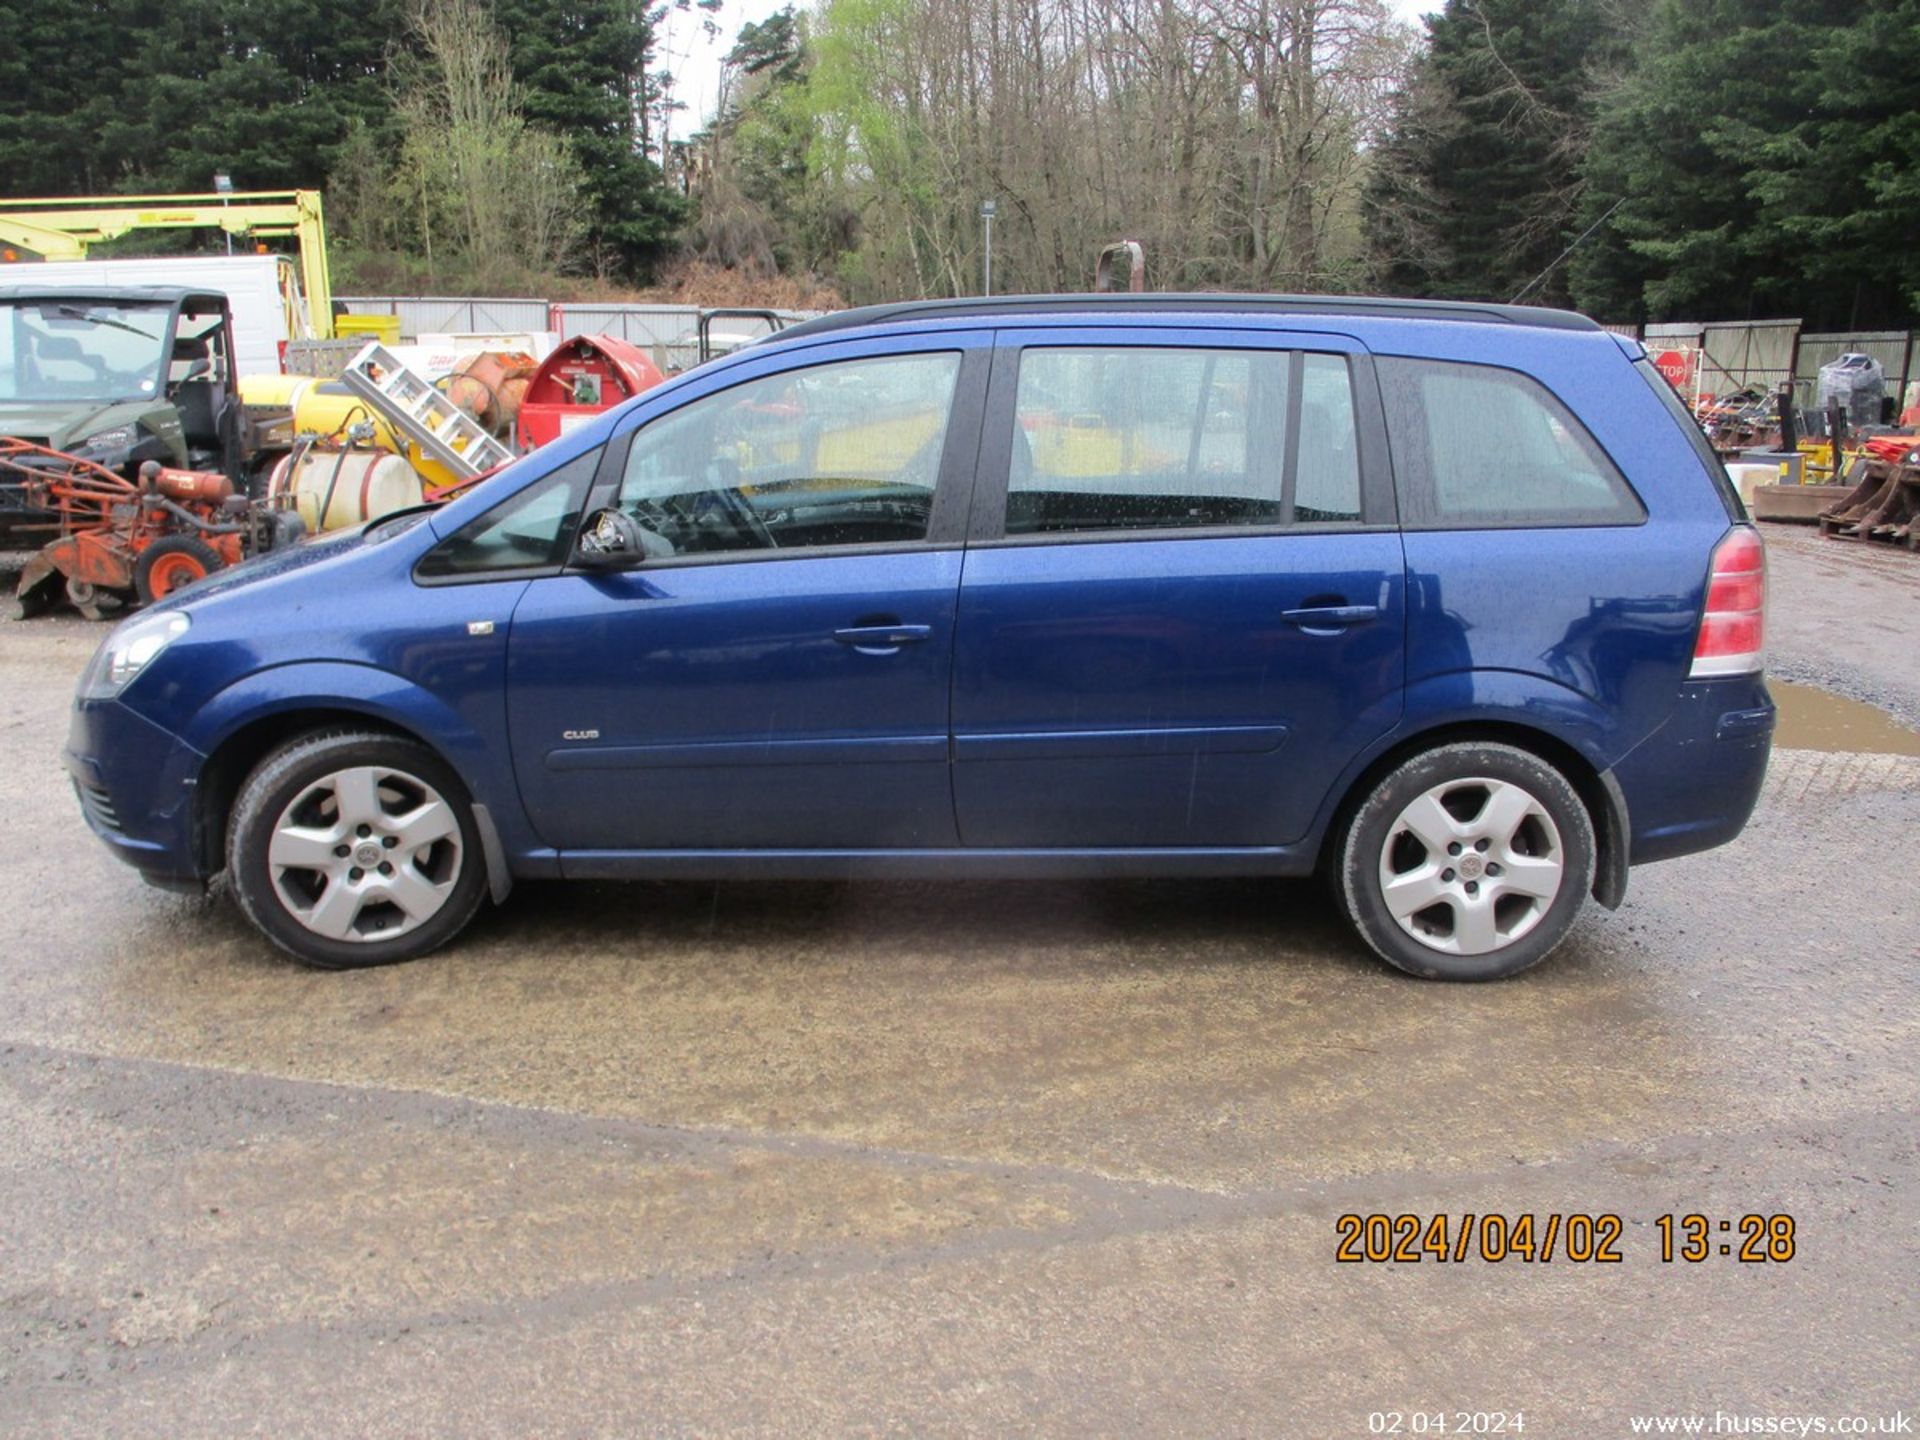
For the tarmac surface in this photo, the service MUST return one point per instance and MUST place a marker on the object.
(983, 1159)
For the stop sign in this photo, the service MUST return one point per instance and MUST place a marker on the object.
(1677, 366)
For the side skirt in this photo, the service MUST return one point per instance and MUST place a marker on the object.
(1141, 863)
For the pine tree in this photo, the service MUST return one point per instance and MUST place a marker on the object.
(1765, 155)
(1475, 192)
(584, 67)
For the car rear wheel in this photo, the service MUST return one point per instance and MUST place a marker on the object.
(1468, 862)
(352, 848)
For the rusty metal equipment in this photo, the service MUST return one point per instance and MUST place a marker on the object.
(1136, 258)
(491, 386)
(123, 541)
(1884, 503)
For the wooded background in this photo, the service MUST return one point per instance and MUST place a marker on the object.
(1724, 159)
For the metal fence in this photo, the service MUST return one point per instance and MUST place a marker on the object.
(669, 333)
(1892, 348)
(1763, 353)
(448, 315)
(1734, 354)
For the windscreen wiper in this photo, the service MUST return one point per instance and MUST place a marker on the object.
(74, 313)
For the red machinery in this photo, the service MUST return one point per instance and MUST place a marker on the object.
(120, 539)
(586, 375)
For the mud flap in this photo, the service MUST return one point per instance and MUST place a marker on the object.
(1611, 839)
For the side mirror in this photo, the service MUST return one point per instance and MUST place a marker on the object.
(610, 539)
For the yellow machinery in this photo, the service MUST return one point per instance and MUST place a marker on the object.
(304, 405)
(62, 229)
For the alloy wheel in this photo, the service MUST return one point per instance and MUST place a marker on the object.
(367, 853)
(1471, 866)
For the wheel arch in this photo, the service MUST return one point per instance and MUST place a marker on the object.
(240, 753)
(241, 747)
(1598, 790)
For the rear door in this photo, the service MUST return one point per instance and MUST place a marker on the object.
(1183, 609)
(778, 677)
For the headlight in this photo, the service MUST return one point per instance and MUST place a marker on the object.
(130, 649)
(120, 437)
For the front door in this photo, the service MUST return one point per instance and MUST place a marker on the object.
(777, 676)
(1183, 612)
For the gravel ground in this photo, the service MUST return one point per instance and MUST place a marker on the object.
(963, 1159)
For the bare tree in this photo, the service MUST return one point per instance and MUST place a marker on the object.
(1228, 136)
(490, 191)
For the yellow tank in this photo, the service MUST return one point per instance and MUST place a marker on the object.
(326, 407)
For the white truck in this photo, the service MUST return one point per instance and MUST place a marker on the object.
(263, 292)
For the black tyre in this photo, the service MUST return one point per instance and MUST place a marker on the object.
(1468, 862)
(171, 564)
(349, 848)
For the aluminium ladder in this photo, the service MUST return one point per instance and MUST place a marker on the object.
(408, 402)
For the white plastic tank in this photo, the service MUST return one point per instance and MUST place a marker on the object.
(354, 486)
(1748, 475)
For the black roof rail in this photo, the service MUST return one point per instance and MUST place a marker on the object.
(1017, 307)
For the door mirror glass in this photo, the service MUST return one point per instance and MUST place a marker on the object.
(610, 540)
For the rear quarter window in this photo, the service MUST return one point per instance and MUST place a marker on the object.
(1476, 446)
(1696, 437)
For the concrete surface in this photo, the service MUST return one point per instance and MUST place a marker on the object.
(980, 1159)
(1845, 615)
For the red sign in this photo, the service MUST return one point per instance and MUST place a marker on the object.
(1677, 366)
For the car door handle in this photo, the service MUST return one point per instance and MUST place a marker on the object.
(1325, 619)
(876, 639)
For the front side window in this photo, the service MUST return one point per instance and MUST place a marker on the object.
(1132, 438)
(846, 453)
(1474, 445)
(531, 530)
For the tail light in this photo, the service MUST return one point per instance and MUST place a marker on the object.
(1733, 629)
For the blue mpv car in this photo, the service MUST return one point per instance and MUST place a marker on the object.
(1451, 603)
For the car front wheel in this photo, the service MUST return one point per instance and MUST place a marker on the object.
(1468, 862)
(351, 848)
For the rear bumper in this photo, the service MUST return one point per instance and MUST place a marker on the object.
(1693, 784)
(136, 784)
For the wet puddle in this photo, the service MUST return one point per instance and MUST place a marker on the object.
(1813, 719)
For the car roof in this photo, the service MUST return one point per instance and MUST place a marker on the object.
(140, 294)
(1026, 307)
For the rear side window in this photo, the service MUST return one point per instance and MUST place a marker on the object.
(1477, 446)
(1129, 438)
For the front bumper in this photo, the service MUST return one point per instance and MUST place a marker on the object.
(136, 785)
(1693, 784)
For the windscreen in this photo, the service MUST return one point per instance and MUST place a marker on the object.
(80, 350)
